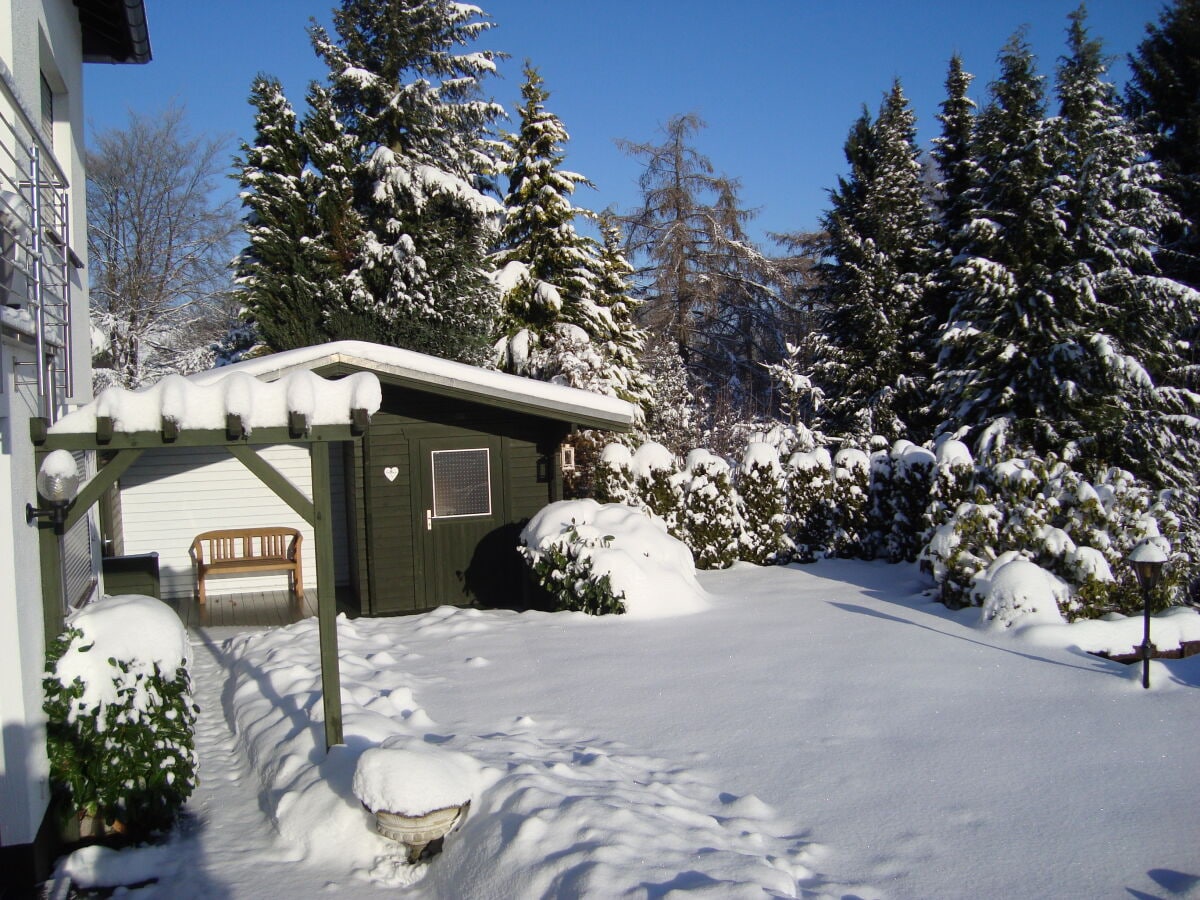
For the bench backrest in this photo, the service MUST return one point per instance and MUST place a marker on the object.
(246, 543)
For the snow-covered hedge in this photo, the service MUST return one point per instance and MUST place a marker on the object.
(903, 504)
(120, 713)
(1048, 514)
(610, 558)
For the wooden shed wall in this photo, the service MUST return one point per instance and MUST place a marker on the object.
(170, 496)
(388, 563)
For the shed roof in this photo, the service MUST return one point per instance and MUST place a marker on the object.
(443, 377)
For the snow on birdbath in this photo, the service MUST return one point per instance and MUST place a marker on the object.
(417, 796)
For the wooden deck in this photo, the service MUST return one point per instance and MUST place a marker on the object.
(251, 610)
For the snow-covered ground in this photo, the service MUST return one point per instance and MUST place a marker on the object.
(820, 731)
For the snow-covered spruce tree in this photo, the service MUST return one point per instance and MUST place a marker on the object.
(671, 411)
(810, 503)
(762, 493)
(952, 154)
(1134, 319)
(799, 400)
(280, 285)
(711, 522)
(565, 305)
(851, 499)
(411, 100)
(337, 247)
(1002, 357)
(1163, 97)
(870, 363)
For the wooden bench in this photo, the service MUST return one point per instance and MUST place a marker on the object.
(234, 550)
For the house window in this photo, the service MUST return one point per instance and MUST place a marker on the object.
(462, 483)
(47, 110)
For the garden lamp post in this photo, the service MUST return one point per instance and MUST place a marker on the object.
(1147, 559)
(58, 484)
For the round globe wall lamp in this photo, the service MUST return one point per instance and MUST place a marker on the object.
(57, 485)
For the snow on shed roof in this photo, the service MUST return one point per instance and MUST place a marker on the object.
(444, 377)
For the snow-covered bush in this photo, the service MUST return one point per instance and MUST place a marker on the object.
(658, 484)
(963, 548)
(563, 567)
(601, 558)
(711, 523)
(851, 495)
(120, 713)
(763, 493)
(1016, 591)
(810, 502)
(1050, 515)
(953, 481)
(912, 469)
(614, 479)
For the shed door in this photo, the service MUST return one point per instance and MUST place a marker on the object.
(461, 502)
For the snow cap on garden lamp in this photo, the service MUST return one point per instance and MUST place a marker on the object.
(1148, 559)
(57, 484)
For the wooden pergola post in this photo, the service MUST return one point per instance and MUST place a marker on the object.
(317, 511)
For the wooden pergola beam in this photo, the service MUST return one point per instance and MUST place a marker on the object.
(128, 446)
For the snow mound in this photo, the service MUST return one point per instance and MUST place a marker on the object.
(415, 782)
(653, 570)
(649, 458)
(1019, 592)
(139, 630)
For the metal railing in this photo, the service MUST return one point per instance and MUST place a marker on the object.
(35, 253)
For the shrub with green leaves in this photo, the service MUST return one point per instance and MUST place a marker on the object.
(563, 567)
(810, 502)
(121, 718)
(613, 481)
(711, 521)
(763, 491)
(851, 503)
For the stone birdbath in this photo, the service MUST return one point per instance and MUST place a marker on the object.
(417, 796)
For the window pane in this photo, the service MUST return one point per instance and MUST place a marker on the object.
(461, 483)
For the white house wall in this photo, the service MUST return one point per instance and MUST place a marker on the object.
(34, 37)
(24, 771)
(170, 496)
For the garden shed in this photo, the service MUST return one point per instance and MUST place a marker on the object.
(427, 504)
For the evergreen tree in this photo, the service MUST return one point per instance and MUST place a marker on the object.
(1163, 96)
(953, 156)
(1001, 352)
(565, 300)
(870, 361)
(400, 160)
(340, 233)
(275, 270)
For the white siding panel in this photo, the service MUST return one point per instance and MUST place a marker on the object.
(170, 496)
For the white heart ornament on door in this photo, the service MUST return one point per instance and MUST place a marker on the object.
(391, 472)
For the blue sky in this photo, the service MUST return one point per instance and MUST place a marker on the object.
(779, 82)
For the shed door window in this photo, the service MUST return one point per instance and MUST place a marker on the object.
(462, 484)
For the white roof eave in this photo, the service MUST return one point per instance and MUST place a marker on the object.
(556, 401)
